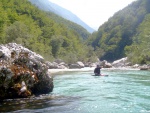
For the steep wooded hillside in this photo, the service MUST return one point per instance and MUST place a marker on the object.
(139, 51)
(118, 32)
(23, 23)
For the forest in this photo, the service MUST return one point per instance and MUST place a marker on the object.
(43, 32)
(126, 33)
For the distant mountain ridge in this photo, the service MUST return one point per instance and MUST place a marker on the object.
(49, 6)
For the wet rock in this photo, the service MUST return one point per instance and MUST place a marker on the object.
(44, 86)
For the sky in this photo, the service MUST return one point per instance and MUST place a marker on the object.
(93, 12)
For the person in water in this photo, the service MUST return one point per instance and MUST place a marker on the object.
(97, 70)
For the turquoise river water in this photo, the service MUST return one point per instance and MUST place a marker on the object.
(123, 91)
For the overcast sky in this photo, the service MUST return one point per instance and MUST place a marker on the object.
(93, 12)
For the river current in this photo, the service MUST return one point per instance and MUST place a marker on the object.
(123, 91)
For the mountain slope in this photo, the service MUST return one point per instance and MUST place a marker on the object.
(23, 23)
(118, 32)
(49, 6)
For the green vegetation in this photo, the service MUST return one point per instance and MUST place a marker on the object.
(139, 51)
(70, 25)
(125, 34)
(43, 32)
(127, 27)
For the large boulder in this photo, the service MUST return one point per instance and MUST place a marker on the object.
(55, 65)
(80, 64)
(62, 65)
(121, 62)
(23, 73)
(77, 65)
(105, 64)
(144, 67)
(74, 66)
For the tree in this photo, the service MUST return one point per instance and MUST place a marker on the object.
(17, 30)
(56, 43)
(138, 52)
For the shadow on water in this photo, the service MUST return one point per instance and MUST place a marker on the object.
(43, 103)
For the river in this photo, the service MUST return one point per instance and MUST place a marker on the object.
(123, 91)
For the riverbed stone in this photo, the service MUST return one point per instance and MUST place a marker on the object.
(74, 66)
(105, 64)
(121, 62)
(144, 67)
(80, 64)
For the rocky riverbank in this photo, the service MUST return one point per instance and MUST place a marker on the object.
(121, 63)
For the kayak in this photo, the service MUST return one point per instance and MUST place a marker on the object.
(99, 75)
